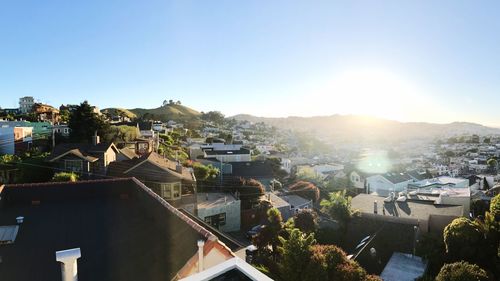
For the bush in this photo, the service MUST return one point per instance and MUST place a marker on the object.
(462, 271)
(65, 176)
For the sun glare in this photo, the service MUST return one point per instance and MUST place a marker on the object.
(372, 92)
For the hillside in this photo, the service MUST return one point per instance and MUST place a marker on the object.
(352, 126)
(176, 112)
(118, 112)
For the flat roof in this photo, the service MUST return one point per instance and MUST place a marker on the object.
(276, 201)
(403, 267)
(407, 209)
(295, 200)
(124, 231)
(213, 199)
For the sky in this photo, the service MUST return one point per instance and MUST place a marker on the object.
(432, 61)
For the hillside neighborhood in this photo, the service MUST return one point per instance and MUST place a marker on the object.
(188, 195)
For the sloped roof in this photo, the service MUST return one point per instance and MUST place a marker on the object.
(124, 230)
(129, 168)
(85, 151)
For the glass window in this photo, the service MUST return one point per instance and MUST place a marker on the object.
(73, 165)
(176, 190)
(166, 191)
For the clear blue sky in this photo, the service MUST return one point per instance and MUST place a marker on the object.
(268, 58)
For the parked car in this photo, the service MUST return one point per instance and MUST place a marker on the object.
(255, 230)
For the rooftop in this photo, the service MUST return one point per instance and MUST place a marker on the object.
(403, 267)
(407, 209)
(295, 200)
(212, 199)
(120, 226)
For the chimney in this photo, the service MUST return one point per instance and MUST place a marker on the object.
(69, 266)
(178, 168)
(375, 207)
(201, 243)
(95, 139)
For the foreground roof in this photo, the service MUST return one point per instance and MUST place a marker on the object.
(124, 230)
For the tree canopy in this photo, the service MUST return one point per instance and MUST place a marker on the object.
(462, 271)
(338, 206)
(84, 123)
(305, 189)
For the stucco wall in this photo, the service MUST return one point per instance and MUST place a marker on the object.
(233, 216)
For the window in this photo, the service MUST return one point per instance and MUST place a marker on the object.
(171, 190)
(73, 165)
(216, 220)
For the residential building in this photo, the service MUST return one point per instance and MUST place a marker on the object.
(26, 104)
(387, 183)
(170, 180)
(429, 217)
(87, 159)
(45, 112)
(220, 210)
(114, 229)
(61, 129)
(240, 155)
(297, 203)
(15, 140)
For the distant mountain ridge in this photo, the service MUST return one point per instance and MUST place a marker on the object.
(351, 126)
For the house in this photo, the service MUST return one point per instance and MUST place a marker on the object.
(358, 180)
(126, 153)
(280, 204)
(387, 183)
(26, 104)
(297, 203)
(429, 217)
(170, 180)
(146, 129)
(239, 155)
(113, 229)
(61, 129)
(86, 159)
(232, 269)
(15, 140)
(220, 210)
(259, 170)
(45, 112)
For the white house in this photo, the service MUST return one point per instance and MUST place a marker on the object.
(388, 182)
(220, 210)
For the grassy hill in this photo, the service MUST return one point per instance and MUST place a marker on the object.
(119, 111)
(176, 112)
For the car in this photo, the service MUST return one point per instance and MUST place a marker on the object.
(255, 230)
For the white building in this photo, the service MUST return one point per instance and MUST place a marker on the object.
(26, 104)
(388, 182)
(220, 210)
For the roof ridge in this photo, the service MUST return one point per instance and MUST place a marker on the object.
(34, 184)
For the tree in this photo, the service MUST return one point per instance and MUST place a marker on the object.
(305, 189)
(463, 239)
(65, 176)
(84, 123)
(275, 164)
(295, 253)
(461, 271)
(495, 205)
(492, 164)
(268, 236)
(338, 206)
(306, 221)
(249, 191)
(121, 134)
(204, 173)
(213, 116)
(64, 115)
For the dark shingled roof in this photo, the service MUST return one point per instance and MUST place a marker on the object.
(227, 152)
(396, 177)
(253, 169)
(158, 168)
(124, 231)
(84, 150)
